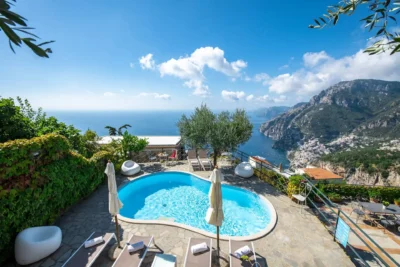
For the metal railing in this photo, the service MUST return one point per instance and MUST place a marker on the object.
(319, 203)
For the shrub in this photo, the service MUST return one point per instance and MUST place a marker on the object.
(334, 197)
(42, 187)
(294, 184)
(361, 191)
(273, 178)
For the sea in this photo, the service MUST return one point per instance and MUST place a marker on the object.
(164, 123)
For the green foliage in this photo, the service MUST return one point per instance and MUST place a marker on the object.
(112, 131)
(21, 157)
(380, 21)
(13, 24)
(131, 143)
(223, 132)
(24, 122)
(35, 188)
(245, 258)
(294, 184)
(370, 159)
(360, 191)
(273, 178)
(385, 203)
(334, 197)
(13, 123)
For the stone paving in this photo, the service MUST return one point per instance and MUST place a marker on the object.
(299, 239)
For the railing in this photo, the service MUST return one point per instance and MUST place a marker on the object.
(320, 204)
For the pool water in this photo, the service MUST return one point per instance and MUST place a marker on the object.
(184, 198)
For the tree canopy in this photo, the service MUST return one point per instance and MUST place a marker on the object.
(222, 132)
(13, 25)
(380, 20)
(112, 131)
(13, 123)
(131, 143)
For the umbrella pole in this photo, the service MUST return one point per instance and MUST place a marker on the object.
(117, 230)
(218, 241)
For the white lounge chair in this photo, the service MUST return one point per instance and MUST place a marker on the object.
(204, 160)
(192, 159)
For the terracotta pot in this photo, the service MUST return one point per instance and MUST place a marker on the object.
(397, 203)
(373, 200)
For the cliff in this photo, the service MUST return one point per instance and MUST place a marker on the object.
(361, 107)
(360, 116)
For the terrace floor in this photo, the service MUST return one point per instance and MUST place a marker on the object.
(299, 239)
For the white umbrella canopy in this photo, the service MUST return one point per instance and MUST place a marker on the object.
(114, 204)
(215, 214)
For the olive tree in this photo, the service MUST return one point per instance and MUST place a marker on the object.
(17, 31)
(380, 20)
(222, 132)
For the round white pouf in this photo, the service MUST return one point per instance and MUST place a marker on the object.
(36, 243)
(130, 167)
(244, 170)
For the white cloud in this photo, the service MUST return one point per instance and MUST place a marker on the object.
(279, 99)
(250, 97)
(191, 68)
(284, 67)
(324, 71)
(131, 65)
(232, 96)
(264, 98)
(109, 94)
(313, 59)
(262, 78)
(156, 95)
(147, 62)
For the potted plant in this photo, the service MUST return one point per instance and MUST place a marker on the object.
(385, 204)
(397, 201)
(334, 197)
(245, 258)
(374, 196)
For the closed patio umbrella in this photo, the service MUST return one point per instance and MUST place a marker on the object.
(114, 203)
(215, 215)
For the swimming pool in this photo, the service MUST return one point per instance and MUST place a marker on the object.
(181, 198)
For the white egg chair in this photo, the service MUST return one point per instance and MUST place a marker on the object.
(36, 243)
(130, 167)
(244, 170)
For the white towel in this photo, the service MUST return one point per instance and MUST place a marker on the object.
(93, 242)
(135, 247)
(242, 251)
(199, 248)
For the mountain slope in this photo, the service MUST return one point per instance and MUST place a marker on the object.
(270, 112)
(368, 108)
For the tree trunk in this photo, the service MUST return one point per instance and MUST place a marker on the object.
(215, 158)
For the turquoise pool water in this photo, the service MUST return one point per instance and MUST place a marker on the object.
(184, 198)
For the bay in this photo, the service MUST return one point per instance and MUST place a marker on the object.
(164, 123)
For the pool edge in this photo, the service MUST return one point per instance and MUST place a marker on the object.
(262, 233)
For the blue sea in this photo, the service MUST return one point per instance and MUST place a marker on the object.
(163, 123)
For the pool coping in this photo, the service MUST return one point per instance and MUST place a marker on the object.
(262, 233)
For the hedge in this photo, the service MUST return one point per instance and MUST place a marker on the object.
(361, 191)
(273, 178)
(35, 190)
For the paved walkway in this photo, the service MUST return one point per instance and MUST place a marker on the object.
(299, 239)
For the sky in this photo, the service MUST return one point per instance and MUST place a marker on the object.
(175, 54)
